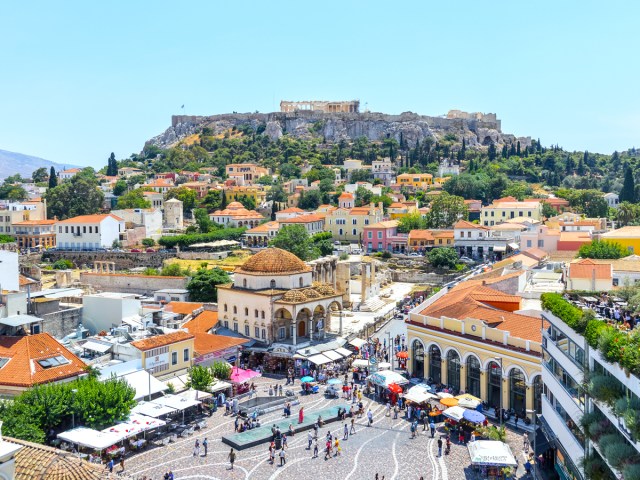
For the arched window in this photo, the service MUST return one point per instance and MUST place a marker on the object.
(246, 311)
(262, 314)
(494, 385)
(537, 394)
(517, 390)
(435, 364)
(235, 309)
(453, 370)
(225, 307)
(418, 358)
(273, 284)
(255, 313)
(300, 282)
(244, 283)
(473, 376)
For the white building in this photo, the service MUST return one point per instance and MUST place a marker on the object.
(383, 170)
(9, 271)
(353, 187)
(613, 200)
(312, 223)
(149, 218)
(89, 232)
(447, 167)
(69, 173)
(477, 241)
(103, 311)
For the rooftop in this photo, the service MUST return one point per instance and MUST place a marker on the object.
(204, 322)
(274, 261)
(162, 340)
(207, 343)
(624, 232)
(91, 219)
(183, 308)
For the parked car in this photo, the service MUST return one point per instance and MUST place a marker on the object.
(466, 260)
(135, 250)
(150, 250)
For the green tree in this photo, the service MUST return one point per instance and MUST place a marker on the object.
(295, 239)
(627, 213)
(310, 200)
(602, 249)
(78, 196)
(548, 211)
(265, 180)
(411, 221)
(150, 271)
(199, 378)
(446, 210)
(288, 170)
(53, 178)
(6, 238)
(63, 264)
(186, 196)
(133, 199)
(172, 270)
(39, 175)
(221, 370)
(247, 202)
(119, 188)
(491, 152)
(148, 242)
(322, 242)
(112, 166)
(363, 175)
(205, 224)
(518, 190)
(443, 257)
(11, 192)
(363, 196)
(212, 200)
(628, 192)
(202, 287)
(277, 194)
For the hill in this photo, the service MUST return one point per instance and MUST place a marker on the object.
(13, 162)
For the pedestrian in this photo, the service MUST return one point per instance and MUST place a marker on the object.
(413, 430)
(370, 417)
(409, 412)
(237, 423)
(315, 448)
(432, 428)
(440, 447)
(527, 467)
(122, 462)
(110, 465)
(395, 411)
(196, 448)
(272, 452)
(346, 432)
(283, 458)
(301, 415)
(337, 447)
(205, 444)
(388, 409)
(352, 431)
(280, 390)
(232, 458)
(515, 419)
(525, 442)
(271, 391)
(309, 439)
(327, 452)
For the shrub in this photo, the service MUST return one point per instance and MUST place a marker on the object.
(7, 239)
(63, 264)
(631, 470)
(344, 256)
(185, 240)
(611, 344)
(386, 254)
(617, 451)
(554, 303)
(593, 330)
(605, 388)
(148, 242)
(221, 370)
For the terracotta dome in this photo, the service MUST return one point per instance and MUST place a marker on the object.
(294, 296)
(325, 289)
(311, 293)
(274, 261)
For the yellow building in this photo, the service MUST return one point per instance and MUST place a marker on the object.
(347, 224)
(502, 211)
(471, 339)
(628, 237)
(420, 240)
(398, 210)
(257, 193)
(414, 180)
(166, 354)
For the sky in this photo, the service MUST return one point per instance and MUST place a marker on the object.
(79, 80)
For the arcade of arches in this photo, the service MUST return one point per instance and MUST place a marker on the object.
(520, 384)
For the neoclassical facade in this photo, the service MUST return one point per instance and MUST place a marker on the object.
(274, 298)
(471, 339)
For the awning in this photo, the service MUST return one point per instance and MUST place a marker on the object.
(455, 413)
(500, 248)
(384, 378)
(97, 346)
(319, 359)
(333, 355)
(513, 246)
(192, 394)
(90, 438)
(176, 401)
(357, 342)
(491, 453)
(144, 383)
(152, 409)
(360, 363)
(19, 320)
(344, 352)
(219, 386)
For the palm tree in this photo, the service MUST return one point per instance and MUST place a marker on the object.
(626, 213)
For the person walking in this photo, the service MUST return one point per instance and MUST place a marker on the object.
(315, 449)
(110, 465)
(352, 431)
(370, 417)
(283, 457)
(440, 447)
(122, 462)
(395, 411)
(309, 439)
(232, 458)
(196, 448)
(272, 452)
(432, 428)
(301, 415)
(280, 390)
(388, 409)
(515, 419)
(327, 452)
(205, 444)
(346, 432)
(337, 448)
(525, 442)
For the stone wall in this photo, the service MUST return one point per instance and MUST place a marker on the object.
(138, 284)
(63, 322)
(413, 276)
(122, 260)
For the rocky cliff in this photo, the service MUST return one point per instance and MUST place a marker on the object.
(332, 127)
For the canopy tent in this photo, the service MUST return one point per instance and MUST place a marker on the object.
(360, 363)
(144, 383)
(219, 386)
(238, 375)
(90, 438)
(152, 409)
(192, 394)
(467, 401)
(454, 413)
(500, 248)
(449, 402)
(333, 355)
(386, 377)
(423, 386)
(474, 416)
(469, 397)
(418, 396)
(444, 395)
(491, 453)
(513, 246)
(357, 342)
(384, 366)
(395, 388)
(307, 379)
(176, 402)
(344, 352)
(319, 359)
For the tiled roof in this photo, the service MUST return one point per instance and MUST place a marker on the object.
(397, 205)
(36, 222)
(384, 224)
(274, 261)
(90, 219)
(515, 205)
(575, 237)
(23, 281)
(303, 219)
(202, 323)
(535, 253)
(40, 462)
(505, 199)
(587, 268)
(24, 370)
(421, 235)
(624, 232)
(291, 210)
(345, 195)
(207, 343)
(264, 228)
(466, 224)
(161, 340)
(183, 308)
(442, 233)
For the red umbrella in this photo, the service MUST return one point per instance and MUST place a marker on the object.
(394, 388)
(402, 355)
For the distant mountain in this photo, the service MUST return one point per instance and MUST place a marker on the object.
(12, 163)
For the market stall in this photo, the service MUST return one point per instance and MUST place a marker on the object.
(152, 409)
(387, 384)
(492, 459)
(90, 438)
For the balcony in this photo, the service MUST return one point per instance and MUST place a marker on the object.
(564, 436)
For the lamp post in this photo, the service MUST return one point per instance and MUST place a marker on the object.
(499, 359)
(535, 454)
(390, 348)
(73, 408)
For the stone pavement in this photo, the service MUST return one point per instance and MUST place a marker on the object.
(385, 448)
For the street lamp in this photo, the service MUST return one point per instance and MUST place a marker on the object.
(390, 349)
(535, 454)
(499, 359)
(73, 408)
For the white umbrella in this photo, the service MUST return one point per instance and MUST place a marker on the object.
(454, 413)
(491, 453)
(444, 395)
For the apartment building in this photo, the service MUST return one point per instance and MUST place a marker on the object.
(89, 232)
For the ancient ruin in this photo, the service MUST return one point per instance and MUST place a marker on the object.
(352, 106)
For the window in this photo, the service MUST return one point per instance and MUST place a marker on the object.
(468, 234)
(262, 314)
(225, 307)
(300, 282)
(355, 232)
(235, 309)
(528, 243)
(246, 331)
(84, 229)
(340, 232)
(540, 243)
(53, 362)
(461, 234)
(246, 312)
(379, 235)
(273, 284)
(185, 354)
(264, 333)
(520, 214)
(492, 213)
(60, 229)
(435, 364)
(255, 313)
(453, 369)
(528, 214)
(366, 221)
(486, 214)
(257, 332)
(226, 324)
(66, 229)
(354, 221)
(473, 376)
(97, 229)
(504, 214)
(244, 283)
(282, 333)
(174, 358)
(235, 326)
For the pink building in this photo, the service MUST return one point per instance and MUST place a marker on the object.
(540, 236)
(384, 236)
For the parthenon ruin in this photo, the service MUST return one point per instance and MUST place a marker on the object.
(352, 106)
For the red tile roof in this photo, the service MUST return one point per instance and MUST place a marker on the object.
(90, 219)
(202, 323)
(587, 268)
(466, 224)
(207, 343)
(183, 308)
(302, 219)
(161, 340)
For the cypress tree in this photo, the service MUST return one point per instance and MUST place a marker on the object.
(53, 178)
(518, 149)
(223, 201)
(628, 192)
(512, 150)
(492, 151)
(504, 151)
